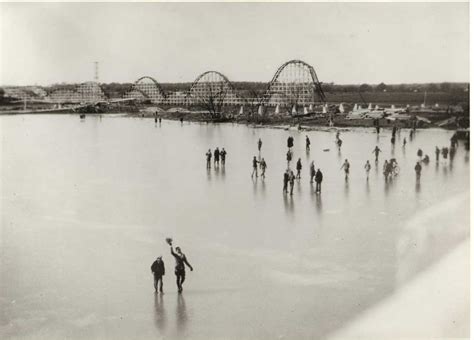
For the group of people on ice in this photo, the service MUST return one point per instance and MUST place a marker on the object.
(219, 157)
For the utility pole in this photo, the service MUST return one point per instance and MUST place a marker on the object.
(96, 74)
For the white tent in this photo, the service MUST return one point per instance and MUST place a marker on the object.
(341, 108)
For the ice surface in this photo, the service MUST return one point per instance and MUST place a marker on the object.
(87, 205)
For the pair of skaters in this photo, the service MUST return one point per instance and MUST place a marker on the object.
(263, 166)
(317, 175)
(158, 270)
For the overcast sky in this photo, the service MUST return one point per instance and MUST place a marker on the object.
(173, 42)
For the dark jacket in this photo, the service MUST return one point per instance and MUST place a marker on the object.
(158, 268)
(290, 142)
(319, 176)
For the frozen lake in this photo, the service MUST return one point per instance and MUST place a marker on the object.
(86, 206)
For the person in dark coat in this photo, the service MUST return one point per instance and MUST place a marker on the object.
(290, 142)
(286, 179)
(299, 166)
(217, 154)
(223, 154)
(418, 170)
(208, 158)
(179, 270)
(158, 270)
(319, 180)
(289, 155)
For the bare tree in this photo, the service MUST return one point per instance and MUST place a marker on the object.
(212, 99)
(253, 100)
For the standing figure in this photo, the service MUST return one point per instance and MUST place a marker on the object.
(445, 152)
(377, 125)
(158, 270)
(452, 151)
(308, 143)
(418, 170)
(392, 140)
(420, 153)
(411, 134)
(367, 168)
(286, 179)
(179, 270)
(319, 180)
(289, 142)
(288, 157)
(292, 181)
(437, 151)
(298, 168)
(263, 166)
(223, 154)
(159, 120)
(259, 144)
(376, 151)
(339, 143)
(454, 141)
(404, 141)
(346, 167)
(312, 172)
(208, 158)
(255, 167)
(216, 156)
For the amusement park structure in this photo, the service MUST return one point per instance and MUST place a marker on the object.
(295, 85)
(88, 92)
(146, 88)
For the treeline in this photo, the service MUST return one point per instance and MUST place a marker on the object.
(119, 89)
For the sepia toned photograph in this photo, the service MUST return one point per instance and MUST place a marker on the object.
(234, 170)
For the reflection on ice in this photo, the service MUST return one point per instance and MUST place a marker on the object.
(160, 316)
(181, 315)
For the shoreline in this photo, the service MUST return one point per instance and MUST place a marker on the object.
(301, 123)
